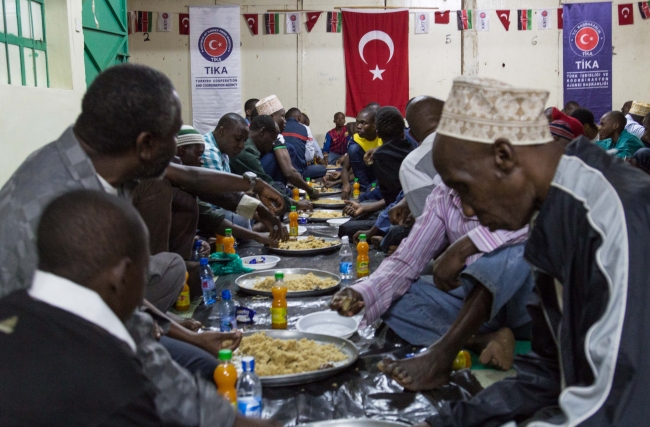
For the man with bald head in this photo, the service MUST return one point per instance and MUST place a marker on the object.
(590, 217)
(613, 135)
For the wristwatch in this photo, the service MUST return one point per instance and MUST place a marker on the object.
(252, 178)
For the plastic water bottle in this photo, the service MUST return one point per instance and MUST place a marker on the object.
(227, 312)
(196, 251)
(207, 283)
(249, 390)
(345, 259)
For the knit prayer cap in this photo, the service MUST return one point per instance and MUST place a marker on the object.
(562, 129)
(188, 135)
(640, 108)
(483, 110)
(268, 105)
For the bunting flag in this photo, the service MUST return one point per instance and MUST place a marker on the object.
(132, 20)
(482, 20)
(644, 9)
(525, 19)
(312, 18)
(441, 17)
(334, 22)
(544, 19)
(560, 18)
(164, 21)
(272, 23)
(145, 22)
(625, 14)
(184, 24)
(251, 21)
(292, 23)
(422, 21)
(464, 19)
(504, 17)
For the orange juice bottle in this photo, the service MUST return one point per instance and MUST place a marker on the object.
(363, 261)
(225, 376)
(183, 300)
(308, 181)
(279, 305)
(219, 243)
(296, 194)
(293, 224)
(356, 188)
(229, 242)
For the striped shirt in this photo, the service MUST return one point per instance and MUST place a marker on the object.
(441, 224)
(213, 158)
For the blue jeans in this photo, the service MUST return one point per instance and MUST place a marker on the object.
(333, 157)
(425, 313)
(314, 171)
(235, 218)
(365, 173)
(192, 358)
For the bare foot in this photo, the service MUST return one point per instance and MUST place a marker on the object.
(426, 371)
(500, 349)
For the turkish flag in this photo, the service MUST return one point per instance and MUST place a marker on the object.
(560, 18)
(441, 17)
(251, 21)
(504, 17)
(625, 14)
(184, 24)
(312, 18)
(376, 59)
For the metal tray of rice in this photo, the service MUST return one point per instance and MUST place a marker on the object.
(259, 282)
(355, 422)
(309, 245)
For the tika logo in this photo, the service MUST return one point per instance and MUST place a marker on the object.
(165, 16)
(587, 39)
(215, 44)
(482, 15)
(422, 17)
(544, 14)
(293, 17)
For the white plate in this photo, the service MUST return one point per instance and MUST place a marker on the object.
(337, 222)
(263, 262)
(301, 230)
(328, 323)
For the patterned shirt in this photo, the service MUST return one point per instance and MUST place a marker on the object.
(441, 224)
(213, 158)
(336, 142)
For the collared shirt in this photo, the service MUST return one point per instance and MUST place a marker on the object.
(336, 142)
(213, 158)
(312, 149)
(633, 127)
(626, 145)
(442, 224)
(417, 175)
(367, 144)
(249, 161)
(80, 301)
(107, 186)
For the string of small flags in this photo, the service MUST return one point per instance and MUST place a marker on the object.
(479, 20)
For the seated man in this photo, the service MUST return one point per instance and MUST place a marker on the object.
(313, 153)
(589, 125)
(591, 214)
(249, 106)
(614, 135)
(67, 358)
(336, 140)
(422, 313)
(365, 139)
(295, 136)
(634, 119)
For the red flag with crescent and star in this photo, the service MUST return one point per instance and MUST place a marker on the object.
(376, 59)
(251, 21)
(504, 17)
(312, 18)
(625, 14)
(184, 24)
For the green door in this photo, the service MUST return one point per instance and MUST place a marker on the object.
(105, 35)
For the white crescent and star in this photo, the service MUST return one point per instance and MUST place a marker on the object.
(185, 19)
(251, 22)
(625, 15)
(381, 36)
(582, 39)
(503, 15)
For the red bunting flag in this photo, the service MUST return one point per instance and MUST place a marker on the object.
(441, 17)
(560, 18)
(145, 22)
(504, 17)
(251, 21)
(272, 23)
(464, 19)
(312, 18)
(644, 9)
(184, 24)
(376, 59)
(625, 14)
(525, 19)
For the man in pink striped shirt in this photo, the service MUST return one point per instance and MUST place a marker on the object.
(421, 312)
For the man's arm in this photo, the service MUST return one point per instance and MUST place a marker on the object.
(354, 209)
(293, 176)
(345, 178)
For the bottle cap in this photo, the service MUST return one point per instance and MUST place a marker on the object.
(356, 179)
(293, 208)
(203, 262)
(345, 240)
(362, 237)
(374, 184)
(228, 230)
(225, 354)
(279, 275)
(248, 364)
(225, 294)
(198, 244)
(307, 179)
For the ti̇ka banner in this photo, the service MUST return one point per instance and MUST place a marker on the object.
(588, 56)
(376, 58)
(215, 64)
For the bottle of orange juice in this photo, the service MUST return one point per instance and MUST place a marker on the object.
(229, 242)
(225, 376)
(356, 188)
(308, 181)
(279, 305)
(296, 194)
(219, 243)
(363, 261)
(293, 224)
(183, 300)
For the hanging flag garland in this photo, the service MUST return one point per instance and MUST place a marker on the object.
(625, 14)
(334, 22)
(272, 23)
(312, 18)
(525, 19)
(464, 19)
(251, 21)
(504, 17)
(441, 17)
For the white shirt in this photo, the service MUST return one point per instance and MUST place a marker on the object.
(417, 172)
(633, 127)
(82, 302)
(107, 186)
(312, 149)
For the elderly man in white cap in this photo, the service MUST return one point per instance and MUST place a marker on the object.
(590, 217)
(634, 118)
